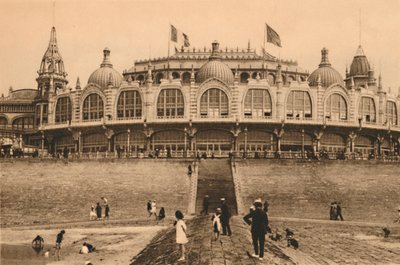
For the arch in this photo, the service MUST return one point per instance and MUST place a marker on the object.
(366, 109)
(93, 107)
(336, 107)
(244, 76)
(94, 142)
(168, 141)
(63, 111)
(170, 103)
(364, 145)
(256, 141)
(257, 103)
(176, 75)
(23, 122)
(333, 142)
(214, 103)
(298, 105)
(254, 75)
(391, 113)
(303, 78)
(137, 141)
(159, 76)
(291, 78)
(271, 78)
(293, 141)
(140, 79)
(3, 122)
(129, 104)
(186, 78)
(214, 140)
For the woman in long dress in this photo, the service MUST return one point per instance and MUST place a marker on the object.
(181, 234)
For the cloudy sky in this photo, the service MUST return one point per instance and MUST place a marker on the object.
(138, 29)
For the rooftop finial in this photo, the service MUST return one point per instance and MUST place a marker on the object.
(324, 58)
(215, 50)
(78, 84)
(106, 59)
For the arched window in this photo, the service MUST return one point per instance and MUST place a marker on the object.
(186, 77)
(336, 108)
(367, 109)
(243, 77)
(23, 123)
(257, 103)
(214, 103)
(93, 107)
(170, 103)
(129, 104)
(391, 113)
(159, 76)
(63, 110)
(140, 79)
(175, 75)
(298, 105)
(3, 122)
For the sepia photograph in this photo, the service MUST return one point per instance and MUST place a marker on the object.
(200, 132)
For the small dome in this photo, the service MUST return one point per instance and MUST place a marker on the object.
(360, 64)
(106, 74)
(214, 68)
(325, 74)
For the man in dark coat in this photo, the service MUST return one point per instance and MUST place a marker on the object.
(225, 216)
(258, 220)
(339, 211)
(98, 211)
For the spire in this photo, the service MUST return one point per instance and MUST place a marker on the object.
(78, 84)
(360, 51)
(248, 46)
(149, 73)
(380, 82)
(215, 51)
(52, 61)
(106, 59)
(324, 58)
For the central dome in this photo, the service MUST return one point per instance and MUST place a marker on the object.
(214, 68)
(325, 74)
(360, 64)
(106, 75)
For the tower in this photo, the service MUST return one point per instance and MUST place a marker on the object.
(52, 76)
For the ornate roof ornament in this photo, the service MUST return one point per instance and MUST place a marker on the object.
(78, 84)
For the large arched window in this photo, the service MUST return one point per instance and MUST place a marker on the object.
(129, 105)
(3, 122)
(63, 110)
(391, 113)
(367, 109)
(336, 108)
(23, 123)
(214, 103)
(93, 107)
(298, 105)
(170, 103)
(257, 103)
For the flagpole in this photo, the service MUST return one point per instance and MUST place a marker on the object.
(169, 42)
(264, 51)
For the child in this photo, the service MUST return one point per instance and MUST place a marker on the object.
(107, 212)
(217, 223)
(93, 215)
(181, 237)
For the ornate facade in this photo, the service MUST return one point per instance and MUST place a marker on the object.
(209, 101)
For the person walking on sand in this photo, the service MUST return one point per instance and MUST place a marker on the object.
(339, 212)
(59, 239)
(149, 207)
(153, 209)
(217, 227)
(107, 212)
(98, 211)
(225, 216)
(258, 220)
(181, 233)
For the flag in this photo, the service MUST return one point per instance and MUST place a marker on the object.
(174, 34)
(273, 37)
(186, 42)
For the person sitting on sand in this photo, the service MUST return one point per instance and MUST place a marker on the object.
(38, 241)
(86, 248)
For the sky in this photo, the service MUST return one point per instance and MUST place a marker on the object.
(139, 29)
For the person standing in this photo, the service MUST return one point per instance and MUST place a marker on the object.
(153, 209)
(217, 227)
(398, 219)
(107, 212)
(258, 220)
(181, 233)
(339, 212)
(225, 216)
(59, 239)
(93, 215)
(333, 211)
(98, 211)
(149, 207)
(206, 203)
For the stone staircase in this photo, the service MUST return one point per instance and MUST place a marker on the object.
(215, 180)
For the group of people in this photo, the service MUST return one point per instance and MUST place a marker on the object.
(220, 219)
(96, 213)
(335, 212)
(152, 210)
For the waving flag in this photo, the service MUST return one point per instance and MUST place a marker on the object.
(273, 37)
(174, 34)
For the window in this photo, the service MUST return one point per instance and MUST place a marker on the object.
(63, 110)
(391, 113)
(257, 103)
(367, 109)
(23, 123)
(170, 103)
(93, 107)
(298, 105)
(214, 103)
(3, 122)
(336, 108)
(129, 104)
(244, 77)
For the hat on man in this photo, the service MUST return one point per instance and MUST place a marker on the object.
(218, 210)
(257, 200)
(222, 199)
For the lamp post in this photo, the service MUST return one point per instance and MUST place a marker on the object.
(185, 148)
(302, 143)
(245, 142)
(128, 146)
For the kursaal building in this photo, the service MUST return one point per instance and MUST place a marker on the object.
(212, 101)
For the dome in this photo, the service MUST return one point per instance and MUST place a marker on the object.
(214, 68)
(325, 74)
(360, 64)
(106, 74)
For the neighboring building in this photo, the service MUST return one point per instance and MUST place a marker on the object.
(212, 101)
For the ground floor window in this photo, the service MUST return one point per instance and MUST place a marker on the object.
(94, 143)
